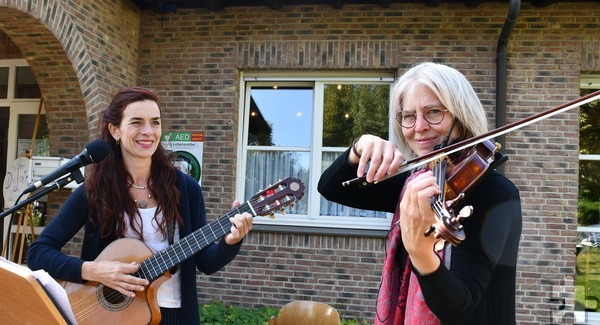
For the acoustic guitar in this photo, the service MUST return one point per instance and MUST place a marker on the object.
(95, 303)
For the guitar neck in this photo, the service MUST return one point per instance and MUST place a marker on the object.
(155, 266)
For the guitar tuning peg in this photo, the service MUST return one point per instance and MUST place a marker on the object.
(271, 215)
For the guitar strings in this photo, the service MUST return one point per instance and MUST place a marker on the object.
(89, 305)
(114, 295)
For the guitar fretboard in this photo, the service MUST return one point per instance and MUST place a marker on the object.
(155, 266)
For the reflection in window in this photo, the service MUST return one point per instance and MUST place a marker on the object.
(587, 288)
(263, 168)
(280, 117)
(3, 82)
(25, 131)
(352, 110)
(26, 86)
(349, 111)
(589, 173)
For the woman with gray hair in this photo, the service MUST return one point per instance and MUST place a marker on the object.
(425, 280)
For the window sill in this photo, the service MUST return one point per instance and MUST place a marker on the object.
(320, 231)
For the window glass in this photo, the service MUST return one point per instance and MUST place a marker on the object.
(349, 111)
(263, 168)
(27, 123)
(587, 289)
(279, 126)
(3, 82)
(280, 117)
(298, 128)
(26, 86)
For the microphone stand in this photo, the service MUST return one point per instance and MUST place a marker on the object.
(60, 183)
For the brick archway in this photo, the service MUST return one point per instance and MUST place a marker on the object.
(77, 69)
(52, 61)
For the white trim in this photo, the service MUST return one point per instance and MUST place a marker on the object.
(315, 162)
(589, 81)
(337, 76)
(325, 222)
(589, 157)
(241, 143)
(588, 229)
(317, 82)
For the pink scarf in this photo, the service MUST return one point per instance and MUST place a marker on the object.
(400, 300)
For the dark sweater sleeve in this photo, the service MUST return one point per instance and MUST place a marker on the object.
(45, 252)
(482, 266)
(382, 196)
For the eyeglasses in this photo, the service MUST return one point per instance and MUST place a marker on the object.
(408, 119)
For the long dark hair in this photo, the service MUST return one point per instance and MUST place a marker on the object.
(107, 187)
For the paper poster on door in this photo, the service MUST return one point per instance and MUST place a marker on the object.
(187, 148)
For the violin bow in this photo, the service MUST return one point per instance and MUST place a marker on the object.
(467, 143)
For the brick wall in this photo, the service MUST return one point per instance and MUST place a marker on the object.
(545, 54)
(194, 58)
(8, 49)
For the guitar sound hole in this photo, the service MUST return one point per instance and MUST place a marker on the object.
(111, 299)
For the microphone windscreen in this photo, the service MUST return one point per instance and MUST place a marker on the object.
(97, 150)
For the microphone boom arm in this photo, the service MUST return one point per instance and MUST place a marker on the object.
(59, 183)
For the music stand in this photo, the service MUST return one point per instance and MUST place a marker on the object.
(23, 300)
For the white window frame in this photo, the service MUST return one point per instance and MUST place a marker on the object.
(317, 80)
(588, 82)
(17, 106)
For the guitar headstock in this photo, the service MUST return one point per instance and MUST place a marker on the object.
(277, 196)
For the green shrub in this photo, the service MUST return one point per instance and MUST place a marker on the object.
(219, 314)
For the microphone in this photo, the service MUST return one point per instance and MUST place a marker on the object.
(94, 152)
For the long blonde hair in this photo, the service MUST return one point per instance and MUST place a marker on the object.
(452, 89)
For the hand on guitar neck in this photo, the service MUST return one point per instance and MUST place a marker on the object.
(241, 224)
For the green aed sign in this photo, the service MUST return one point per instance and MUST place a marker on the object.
(186, 149)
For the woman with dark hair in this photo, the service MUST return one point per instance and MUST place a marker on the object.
(135, 193)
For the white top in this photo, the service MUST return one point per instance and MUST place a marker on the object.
(169, 293)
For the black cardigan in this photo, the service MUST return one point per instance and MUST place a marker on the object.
(479, 288)
(45, 253)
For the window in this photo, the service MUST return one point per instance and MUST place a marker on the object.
(297, 126)
(587, 288)
(26, 86)
(3, 82)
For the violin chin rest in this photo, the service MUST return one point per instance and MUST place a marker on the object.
(465, 212)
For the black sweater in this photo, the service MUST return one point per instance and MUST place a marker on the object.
(479, 288)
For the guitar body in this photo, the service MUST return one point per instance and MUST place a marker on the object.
(94, 303)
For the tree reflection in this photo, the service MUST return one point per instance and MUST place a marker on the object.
(352, 110)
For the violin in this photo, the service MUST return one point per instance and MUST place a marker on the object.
(455, 176)
(459, 166)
